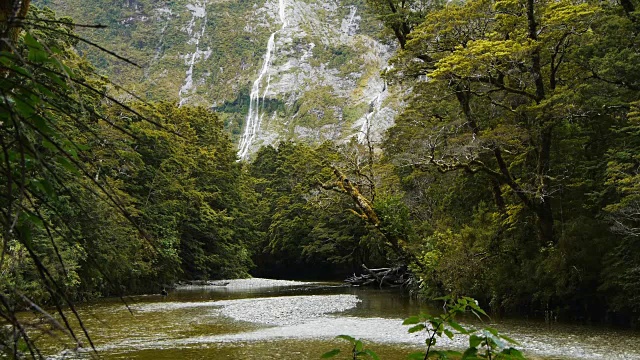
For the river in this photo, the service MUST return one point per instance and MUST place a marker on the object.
(265, 319)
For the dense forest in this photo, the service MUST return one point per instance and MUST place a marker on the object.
(513, 175)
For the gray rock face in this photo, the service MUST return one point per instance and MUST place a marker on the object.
(327, 74)
(321, 80)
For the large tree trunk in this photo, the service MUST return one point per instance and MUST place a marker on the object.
(11, 11)
(544, 211)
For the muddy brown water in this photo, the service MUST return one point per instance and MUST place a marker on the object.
(259, 319)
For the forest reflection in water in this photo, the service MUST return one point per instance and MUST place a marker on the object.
(259, 319)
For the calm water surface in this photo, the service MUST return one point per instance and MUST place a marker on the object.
(257, 321)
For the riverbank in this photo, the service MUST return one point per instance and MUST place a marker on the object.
(240, 284)
(274, 319)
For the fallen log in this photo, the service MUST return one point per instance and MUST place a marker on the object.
(383, 277)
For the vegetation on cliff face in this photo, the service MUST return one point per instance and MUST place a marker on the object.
(195, 52)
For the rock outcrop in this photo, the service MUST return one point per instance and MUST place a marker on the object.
(316, 63)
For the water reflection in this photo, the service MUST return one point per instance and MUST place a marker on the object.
(197, 323)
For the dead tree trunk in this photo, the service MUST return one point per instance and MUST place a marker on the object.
(366, 212)
(383, 277)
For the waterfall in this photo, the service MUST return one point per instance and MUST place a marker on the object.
(198, 10)
(254, 117)
(352, 27)
(374, 107)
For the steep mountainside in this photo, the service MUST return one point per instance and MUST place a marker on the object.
(275, 69)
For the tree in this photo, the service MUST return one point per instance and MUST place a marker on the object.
(502, 74)
(519, 101)
(48, 97)
(306, 231)
(401, 16)
(11, 12)
(98, 198)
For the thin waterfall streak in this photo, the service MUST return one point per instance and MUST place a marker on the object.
(266, 89)
(254, 118)
(283, 15)
(197, 11)
(352, 16)
(363, 134)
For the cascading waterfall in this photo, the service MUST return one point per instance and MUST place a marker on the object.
(352, 27)
(374, 107)
(254, 117)
(198, 10)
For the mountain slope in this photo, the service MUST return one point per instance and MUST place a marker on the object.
(317, 79)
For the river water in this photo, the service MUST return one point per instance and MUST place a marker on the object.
(265, 319)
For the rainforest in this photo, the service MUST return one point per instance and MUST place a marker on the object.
(488, 148)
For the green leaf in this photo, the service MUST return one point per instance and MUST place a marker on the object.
(68, 165)
(32, 42)
(56, 79)
(350, 339)
(448, 333)
(49, 145)
(37, 56)
(372, 354)
(491, 330)
(24, 231)
(411, 320)
(513, 353)
(35, 219)
(457, 327)
(417, 328)
(476, 307)
(416, 356)
(10, 61)
(358, 346)
(330, 354)
(475, 341)
(470, 353)
(37, 52)
(25, 109)
(493, 339)
(436, 324)
(44, 186)
(41, 124)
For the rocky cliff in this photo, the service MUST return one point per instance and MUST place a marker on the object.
(275, 70)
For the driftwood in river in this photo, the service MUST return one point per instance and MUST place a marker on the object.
(389, 277)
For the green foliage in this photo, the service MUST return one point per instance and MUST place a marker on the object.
(486, 343)
(186, 183)
(400, 17)
(67, 232)
(358, 351)
(305, 231)
(517, 153)
(394, 215)
(100, 197)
